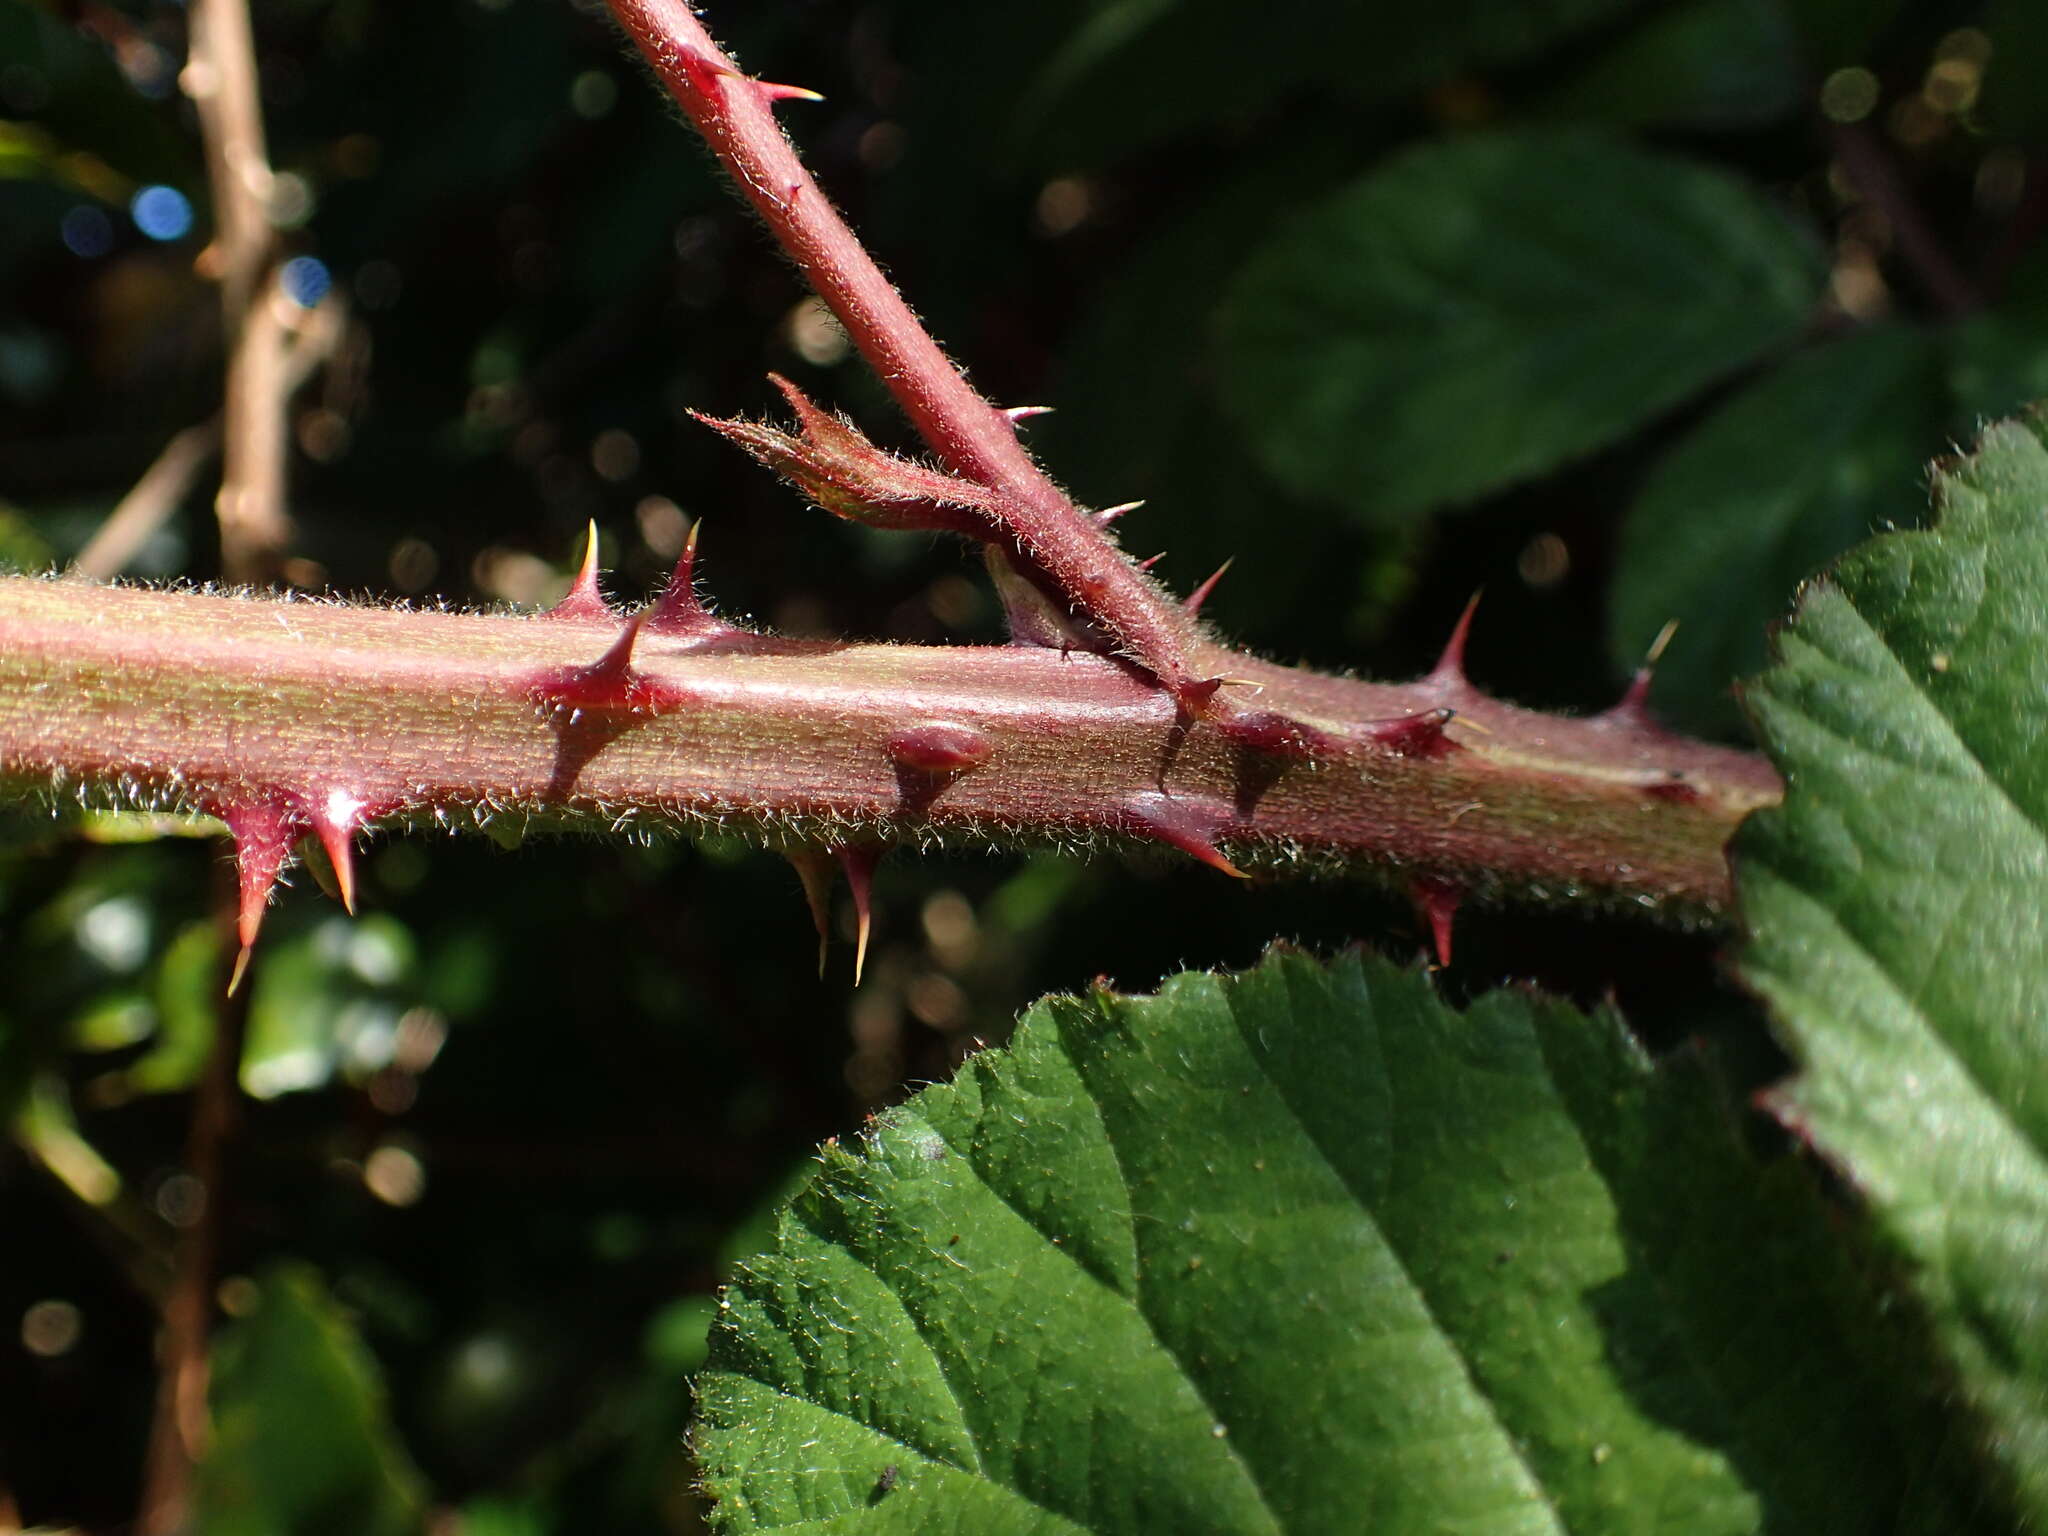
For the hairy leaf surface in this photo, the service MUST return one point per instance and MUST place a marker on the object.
(1302, 1250)
(1898, 904)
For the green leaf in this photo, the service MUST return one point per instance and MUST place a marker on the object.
(1701, 64)
(1478, 312)
(1774, 484)
(2012, 79)
(1896, 909)
(1302, 1250)
(1133, 73)
(301, 1445)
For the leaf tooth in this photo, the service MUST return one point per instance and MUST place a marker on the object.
(859, 861)
(1190, 825)
(584, 599)
(264, 831)
(1436, 903)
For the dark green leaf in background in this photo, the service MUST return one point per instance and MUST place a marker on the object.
(1775, 483)
(1898, 906)
(1304, 1250)
(1478, 312)
(1130, 74)
(1703, 64)
(301, 1446)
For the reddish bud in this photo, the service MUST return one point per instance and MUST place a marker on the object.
(838, 468)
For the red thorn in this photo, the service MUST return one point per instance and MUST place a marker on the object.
(1633, 708)
(1109, 515)
(1194, 695)
(1275, 734)
(1151, 560)
(859, 861)
(1418, 735)
(1436, 902)
(1450, 667)
(336, 820)
(583, 600)
(264, 831)
(677, 611)
(1675, 788)
(1195, 599)
(1017, 413)
(610, 683)
(771, 93)
(1189, 825)
(815, 868)
(939, 746)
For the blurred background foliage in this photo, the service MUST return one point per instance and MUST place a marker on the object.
(1621, 311)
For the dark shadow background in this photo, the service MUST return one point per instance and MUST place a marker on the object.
(523, 1115)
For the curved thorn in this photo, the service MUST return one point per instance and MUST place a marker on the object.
(769, 91)
(859, 861)
(678, 609)
(335, 821)
(1436, 903)
(584, 599)
(814, 868)
(1450, 667)
(1189, 825)
(1195, 599)
(264, 832)
(1635, 699)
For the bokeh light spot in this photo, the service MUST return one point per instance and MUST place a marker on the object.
(87, 232)
(306, 280)
(162, 213)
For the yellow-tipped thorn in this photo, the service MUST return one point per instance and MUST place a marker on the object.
(1657, 646)
(241, 969)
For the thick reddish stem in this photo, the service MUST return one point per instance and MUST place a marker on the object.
(182, 700)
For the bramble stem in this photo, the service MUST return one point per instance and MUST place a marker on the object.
(177, 699)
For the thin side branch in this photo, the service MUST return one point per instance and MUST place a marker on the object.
(1053, 544)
